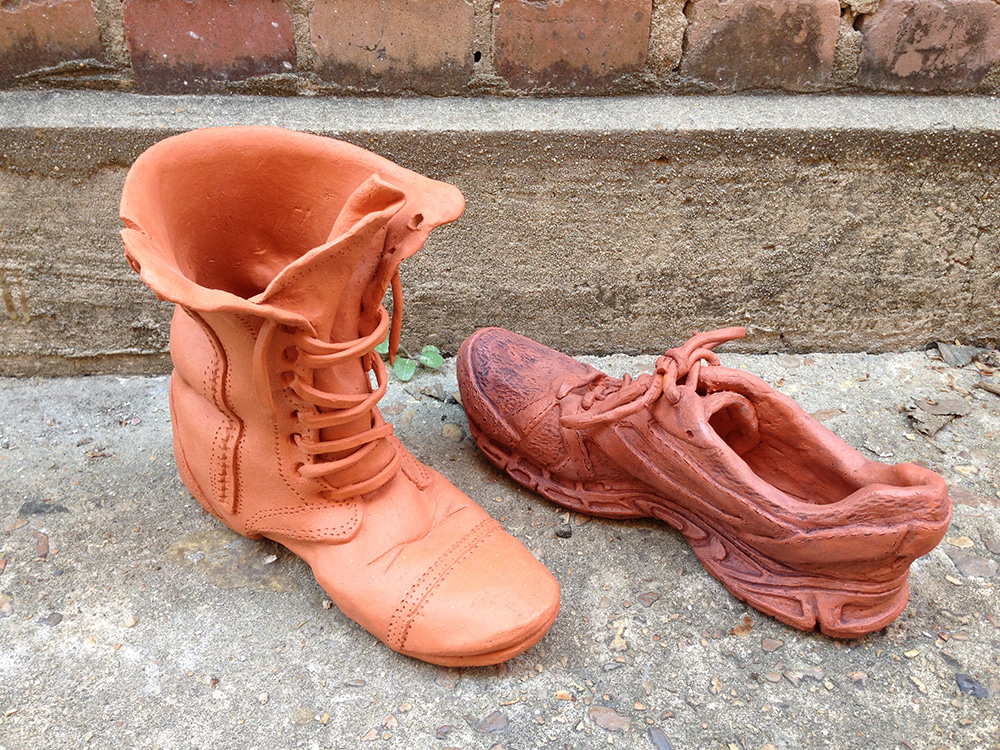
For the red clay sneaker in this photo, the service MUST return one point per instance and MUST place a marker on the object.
(784, 513)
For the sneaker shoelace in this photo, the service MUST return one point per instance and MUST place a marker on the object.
(618, 399)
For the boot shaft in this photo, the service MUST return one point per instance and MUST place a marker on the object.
(277, 248)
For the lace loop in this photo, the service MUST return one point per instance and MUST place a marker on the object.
(332, 409)
(319, 447)
(621, 399)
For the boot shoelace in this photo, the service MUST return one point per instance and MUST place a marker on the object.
(307, 354)
(620, 399)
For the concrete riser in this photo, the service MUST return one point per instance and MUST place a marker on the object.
(588, 239)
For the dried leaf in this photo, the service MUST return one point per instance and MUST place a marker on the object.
(955, 407)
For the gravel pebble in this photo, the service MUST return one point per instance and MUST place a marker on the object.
(971, 686)
(609, 719)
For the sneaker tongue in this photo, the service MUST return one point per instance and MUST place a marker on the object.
(326, 285)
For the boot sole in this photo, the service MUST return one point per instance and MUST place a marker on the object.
(840, 609)
(489, 658)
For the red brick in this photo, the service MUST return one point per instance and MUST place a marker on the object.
(569, 45)
(761, 44)
(37, 35)
(392, 45)
(180, 45)
(929, 45)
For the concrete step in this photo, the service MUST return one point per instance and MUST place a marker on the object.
(597, 225)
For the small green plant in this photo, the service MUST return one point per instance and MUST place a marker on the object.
(406, 367)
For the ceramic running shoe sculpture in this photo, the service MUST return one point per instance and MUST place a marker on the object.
(784, 513)
(276, 248)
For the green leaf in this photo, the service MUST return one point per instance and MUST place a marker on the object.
(383, 348)
(430, 357)
(404, 368)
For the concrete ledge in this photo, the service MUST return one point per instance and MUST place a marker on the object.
(597, 225)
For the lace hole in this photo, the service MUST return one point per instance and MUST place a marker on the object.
(291, 354)
(294, 414)
(298, 469)
(287, 377)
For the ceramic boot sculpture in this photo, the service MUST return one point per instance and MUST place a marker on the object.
(276, 248)
(784, 513)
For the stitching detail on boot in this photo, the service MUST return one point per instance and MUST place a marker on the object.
(217, 381)
(187, 475)
(256, 523)
(218, 453)
(425, 586)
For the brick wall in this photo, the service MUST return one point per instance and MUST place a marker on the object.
(501, 47)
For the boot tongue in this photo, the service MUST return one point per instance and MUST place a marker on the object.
(326, 285)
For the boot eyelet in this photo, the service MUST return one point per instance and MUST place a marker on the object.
(287, 377)
(291, 354)
(297, 470)
(294, 414)
(295, 437)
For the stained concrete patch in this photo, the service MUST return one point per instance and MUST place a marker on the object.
(230, 561)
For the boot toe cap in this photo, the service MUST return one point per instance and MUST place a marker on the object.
(491, 604)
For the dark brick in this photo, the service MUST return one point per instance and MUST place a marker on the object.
(393, 45)
(761, 44)
(36, 35)
(180, 45)
(570, 46)
(929, 45)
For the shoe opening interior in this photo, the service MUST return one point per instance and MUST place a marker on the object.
(231, 217)
(781, 454)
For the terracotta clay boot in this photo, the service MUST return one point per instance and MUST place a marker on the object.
(277, 248)
(784, 513)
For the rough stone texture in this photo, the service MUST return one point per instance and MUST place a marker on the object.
(176, 633)
(761, 44)
(180, 46)
(61, 280)
(595, 225)
(863, 7)
(930, 45)
(416, 45)
(666, 36)
(847, 53)
(36, 35)
(112, 25)
(304, 54)
(573, 45)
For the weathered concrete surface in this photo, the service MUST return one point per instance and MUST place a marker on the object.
(599, 225)
(149, 625)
